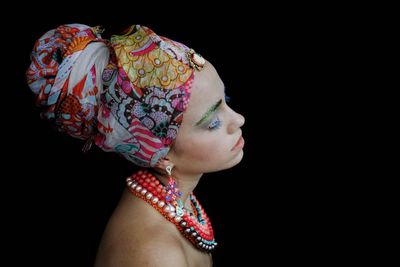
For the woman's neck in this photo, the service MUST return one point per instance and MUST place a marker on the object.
(186, 183)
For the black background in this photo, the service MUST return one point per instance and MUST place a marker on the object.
(271, 208)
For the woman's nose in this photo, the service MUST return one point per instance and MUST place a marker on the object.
(237, 122)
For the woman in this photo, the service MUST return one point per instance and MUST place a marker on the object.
(160, 105)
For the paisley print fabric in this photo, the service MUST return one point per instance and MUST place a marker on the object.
(73, 109)
(145, 89)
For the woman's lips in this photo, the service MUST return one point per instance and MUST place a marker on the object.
(239, 144)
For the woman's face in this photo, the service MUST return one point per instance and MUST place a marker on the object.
(210, 128)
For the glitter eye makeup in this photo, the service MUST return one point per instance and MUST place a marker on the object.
(215, 124)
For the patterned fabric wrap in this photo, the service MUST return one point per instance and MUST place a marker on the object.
(146, 89)
(73, 110)
(147, 86)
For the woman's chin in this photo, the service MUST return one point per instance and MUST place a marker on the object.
(236, 159)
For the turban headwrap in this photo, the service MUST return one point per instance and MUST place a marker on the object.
(131, 101)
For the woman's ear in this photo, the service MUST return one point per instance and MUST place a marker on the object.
(162, 164)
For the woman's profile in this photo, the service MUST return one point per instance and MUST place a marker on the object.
(161, 106)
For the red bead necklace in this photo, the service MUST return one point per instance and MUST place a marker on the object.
(197, 229)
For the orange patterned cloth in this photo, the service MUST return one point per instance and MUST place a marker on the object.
(73, 110)
(146, 88)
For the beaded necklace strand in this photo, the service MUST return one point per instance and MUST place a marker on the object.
(197, 229)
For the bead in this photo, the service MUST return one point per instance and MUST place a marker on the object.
(179, 211)
(197, 229)
(154, 200)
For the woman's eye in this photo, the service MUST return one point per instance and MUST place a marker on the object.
(215, 124)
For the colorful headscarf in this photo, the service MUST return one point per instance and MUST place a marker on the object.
(72, 109)
(146, 88)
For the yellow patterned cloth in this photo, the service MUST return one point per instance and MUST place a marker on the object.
(147, 88)
(138, 107)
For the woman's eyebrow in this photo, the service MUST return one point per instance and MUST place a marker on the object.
(209, 112)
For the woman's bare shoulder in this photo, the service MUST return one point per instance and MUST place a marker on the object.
(149, 248)
(160, 250)
(140, 237)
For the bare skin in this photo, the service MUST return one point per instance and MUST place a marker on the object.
(137, 235)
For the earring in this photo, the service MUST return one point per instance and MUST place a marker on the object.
(173, 193)
(172, 190)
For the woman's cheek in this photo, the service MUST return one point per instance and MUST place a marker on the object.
(200, 151)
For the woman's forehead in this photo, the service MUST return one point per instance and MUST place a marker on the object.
(208, 88)
(207, 83)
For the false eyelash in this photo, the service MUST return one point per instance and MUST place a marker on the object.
(227, 99)
(215, 124)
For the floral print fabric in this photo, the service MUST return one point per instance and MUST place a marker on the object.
(146, 89)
